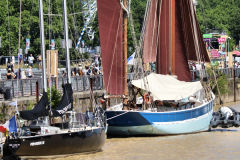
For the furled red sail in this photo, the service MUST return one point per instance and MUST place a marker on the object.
(110, 19)
(151, 35)
(174, 39)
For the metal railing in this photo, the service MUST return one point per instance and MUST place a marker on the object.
(27, 87)
(226, 71)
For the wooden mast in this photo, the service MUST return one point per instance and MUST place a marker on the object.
(173, 37)
(125, 51)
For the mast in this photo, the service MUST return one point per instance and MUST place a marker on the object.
(172, 37)
(42, 45)
(125, 51)
(66, 40)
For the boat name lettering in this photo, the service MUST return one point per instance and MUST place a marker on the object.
(37, 143)
(64, 109)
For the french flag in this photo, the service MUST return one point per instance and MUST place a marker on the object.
(9, 125)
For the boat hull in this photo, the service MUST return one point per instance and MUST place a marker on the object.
(61, 144)
(131, 123)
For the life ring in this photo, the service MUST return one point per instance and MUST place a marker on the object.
(147, 98)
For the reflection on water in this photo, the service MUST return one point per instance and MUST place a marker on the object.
(219, 144)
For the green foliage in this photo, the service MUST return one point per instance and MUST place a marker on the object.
(221, 78)
(30, 25)
(138, 12)
(55, 97)
(212, 14)
(30, 105)
(220, 15)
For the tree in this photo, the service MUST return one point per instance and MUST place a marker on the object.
(222, 15)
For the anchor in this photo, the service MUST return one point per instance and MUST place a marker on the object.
(225, 117)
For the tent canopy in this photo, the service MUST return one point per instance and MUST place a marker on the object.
(166, 87)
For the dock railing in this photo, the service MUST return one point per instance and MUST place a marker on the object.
(27, 87)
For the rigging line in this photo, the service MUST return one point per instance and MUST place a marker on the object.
(195, 35)
(52, 15)
(49, 23)
(30, 18)
(199, 48)
(138, 54)
(114, 52)
(60, 22)
(9, 37)
(144, 26)
(74, 23)
(153, 30)
(158, 31)
(145, 80)
(19, 27)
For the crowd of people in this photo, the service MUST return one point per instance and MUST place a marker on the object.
(18, 73)
(93, 69)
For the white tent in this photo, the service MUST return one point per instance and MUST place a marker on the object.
(166, 87)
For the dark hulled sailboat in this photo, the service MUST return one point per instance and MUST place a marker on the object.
(171, 38)
(42, 138)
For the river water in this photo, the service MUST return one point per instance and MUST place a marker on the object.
(218, 144)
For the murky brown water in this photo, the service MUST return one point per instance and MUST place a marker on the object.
(219, 144)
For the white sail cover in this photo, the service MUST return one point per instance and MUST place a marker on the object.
(166, 87)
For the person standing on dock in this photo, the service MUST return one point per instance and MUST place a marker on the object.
(30, 60)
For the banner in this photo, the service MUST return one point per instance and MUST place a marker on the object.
(207, 35)
(27, 43)
(220, 40)
(52, 44)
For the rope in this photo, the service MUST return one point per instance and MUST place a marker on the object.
(19, 27)
(118, 115)
(49, 23)
(123, 7)
(9, 38)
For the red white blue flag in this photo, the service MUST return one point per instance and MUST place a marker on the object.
(9, 125)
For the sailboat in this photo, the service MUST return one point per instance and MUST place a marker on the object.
(41, 138)
(169, 102)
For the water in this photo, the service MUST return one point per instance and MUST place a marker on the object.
(219, 144)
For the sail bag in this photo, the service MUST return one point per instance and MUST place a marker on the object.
(40, 109)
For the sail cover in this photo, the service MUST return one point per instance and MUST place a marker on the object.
(40, 109)
(66, 103)
(166, 87)
(110, 19)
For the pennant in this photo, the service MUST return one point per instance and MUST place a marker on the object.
(130, 59)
